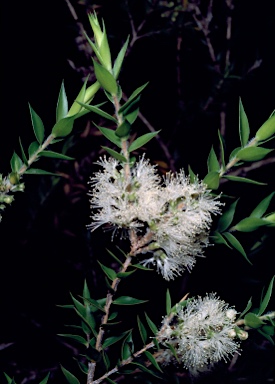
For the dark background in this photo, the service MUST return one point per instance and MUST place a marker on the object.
(46, 250)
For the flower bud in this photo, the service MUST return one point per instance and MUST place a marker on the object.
(242, 335)
(266, 130)
(231, 314)
(232, 334)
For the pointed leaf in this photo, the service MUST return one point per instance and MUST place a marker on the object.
(33, 148)
(152, 326)
(212, 180)
(112, 340)
(132, 97)
(63, 127)
(142, 331)
(69, 376)
(266, 299)
(168, 302)
(139, 266)
(142, 140)
(151, 358)
(266, 335)
(219, 239)
(242, 180)
(86, 292)
(120, 58)
(122, 275)
(36, 171)
(253, 153)
(110, 273)
(236, 244)
(123, 130)
(227, 217)
(15, 163)
(192, 175)
(55, 155)
(267, 129)
(249, 224)
(76, 108)
(247, 308)
(105, 78)
(98, 111)
(9, 379)
(128, 300)
(261, 208)
(143, 368)
(115, 154)
(114, 256)
(212, 161)
(127, 347)
(38, 126)
(77, 338)
(62, 104)
(252, 320)
(110, 134)
(45, 380)
(25, 160)
(243, 125)
(221, 149)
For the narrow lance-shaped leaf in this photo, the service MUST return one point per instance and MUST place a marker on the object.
(253, 153)
(119, 59)
(55, 155)
(112, 340)
(142, 140)
(115, 154)
(36, 171)
(45, 380)
(38, 126)
(123, 130)
(77, 338)
(15, 163)
(110, 135)
(212, 180)
(62, 104)
(236, 244)
(69, 376)
(221, 149)
(227, 217)
(63, 127)
(128, 300)
(98, 111)
(212, 161)
(132, 97)
(247, 308)
(142, 330)
(243, 180)
(152, 326)
(261, 208)
(75, 108)
(151, 358)
(267, 129)
(25, 160)
(249, 224)
(168, 302)
(33, 148)
(110, 273)
(105, 78)
(266, 299)
(243, 125)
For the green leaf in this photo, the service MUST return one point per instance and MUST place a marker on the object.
(114, 256)
(128, 300)
(55, 155)
(247, 308)
(151, 358)
(38, 126)
(261, 208)
(192, 175)
(142, 330)
(98, 111)
(62, 104)
(94, 305)
(212, 180)
(243, 125)
(69, 376)
(77, 338)
(123, 130)
(234, 152)
(266, 335)
(120, 58)
(142, 140)
(168, 302)
(253, 153)
(236, 244)
(219, 239)
(212, 161)
(267, 129)
(36, 171)
(115, 154)
(110, 273)
(242, 180)
(110, 381)
(33, 148)
(25, 160)
(131, 108)
(105, 78)
(76, 108)
(152, 326)
(172, 349)
(110, 134)
(139, 266)
(146, 370)
(112, 340)
(227, 217)
(63, 127)
(45, 380)
(221, 149)
(266, 299)
(127, 347)
(9, 379)
(86, 292)
(15, 163)
(132, 97)
(106, 360)
(125, 274)
(249, 224)
(252, 320)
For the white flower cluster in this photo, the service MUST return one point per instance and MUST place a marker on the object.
(174, 213)
(203, 333)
